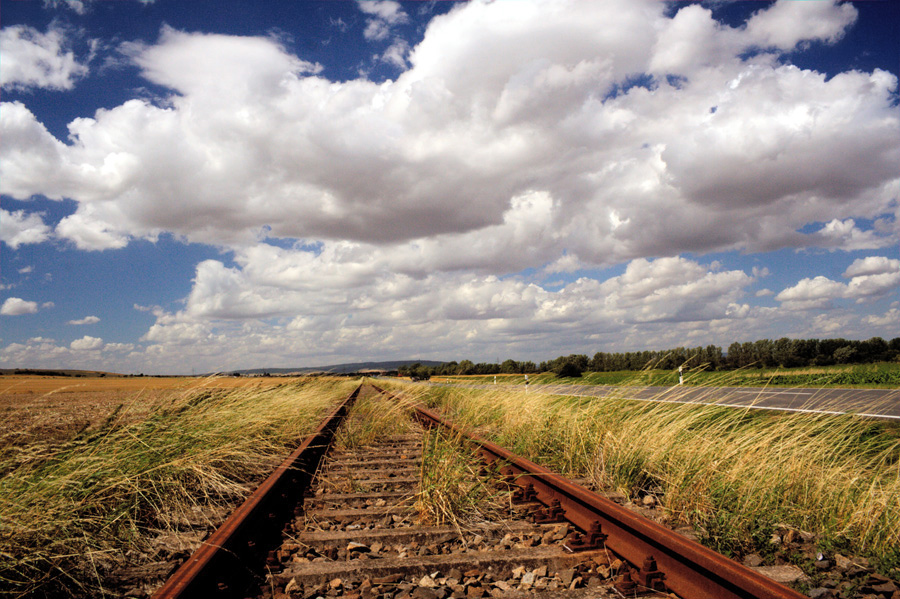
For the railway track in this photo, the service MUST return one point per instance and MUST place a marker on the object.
(345, 523)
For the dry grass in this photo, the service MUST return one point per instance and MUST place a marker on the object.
(374, 416)
(734, 473)
(453, 488)
(71, 512)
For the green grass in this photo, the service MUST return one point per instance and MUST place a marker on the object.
(734, 474)
(71, 513)
(883, 375)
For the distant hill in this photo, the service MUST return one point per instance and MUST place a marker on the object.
(60, 372)
(341, 368)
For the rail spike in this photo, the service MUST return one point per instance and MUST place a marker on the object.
(525, 494)
(551, 514)
(592, 539)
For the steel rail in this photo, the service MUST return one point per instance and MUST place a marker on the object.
(223, 565)
(691, 570)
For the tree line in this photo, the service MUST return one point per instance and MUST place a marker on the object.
(764, 353)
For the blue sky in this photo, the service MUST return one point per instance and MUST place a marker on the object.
(218, 185)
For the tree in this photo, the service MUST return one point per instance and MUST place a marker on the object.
(845, 355)
(466, 367)
(571, 366)
(509, 367)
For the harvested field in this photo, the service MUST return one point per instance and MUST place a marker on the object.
(53, 408)
(103, 483)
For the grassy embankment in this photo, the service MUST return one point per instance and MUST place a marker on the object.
(72, 511)
(883, 375)
(736, 475)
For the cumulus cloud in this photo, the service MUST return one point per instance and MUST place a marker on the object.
(87, 343)
(589, 135)
(15, 306)
(822, 21)
(34, 59)
(85, 320)
(891, 318)
(87, 353)
(341, 298)
(21, 228)
(252, 139)
(870, 278)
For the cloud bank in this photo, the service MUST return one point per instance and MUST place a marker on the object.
(586, 137)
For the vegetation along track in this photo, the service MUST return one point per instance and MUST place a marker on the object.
(369, 520)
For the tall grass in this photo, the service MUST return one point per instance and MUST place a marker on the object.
(734, 473)
(879, 375)
(373, 417)
(453, 489)
(72, 513)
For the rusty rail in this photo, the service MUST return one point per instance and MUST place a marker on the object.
(223, 566)
(684, 566)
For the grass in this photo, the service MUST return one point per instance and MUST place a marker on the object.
(453, 489)
(71, 513)
(374, 417)
(883, 375)
(734, 474)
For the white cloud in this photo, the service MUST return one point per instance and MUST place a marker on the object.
(891, 318)
(87, 343)
(34, 59)
(872, 265)
(80, 6)
(119, 347)
(870, 278)
(847, 236)
(385, 15)
(253, 138)
(18, 228)
(822, 21)
(542, 138)
(85, 320)
(31, 159)
(89, 233)
(817, 292)
(345, 299)
(396, 53)
(14, 306)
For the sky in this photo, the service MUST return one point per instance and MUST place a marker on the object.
(213, 185)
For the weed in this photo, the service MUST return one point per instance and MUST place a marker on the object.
(453, 489)
(733, 473)
(69, 515)
(374, 416)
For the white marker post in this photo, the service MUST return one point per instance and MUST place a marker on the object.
(680, 376)
(526, 383)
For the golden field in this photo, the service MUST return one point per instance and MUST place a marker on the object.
(56, 407)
